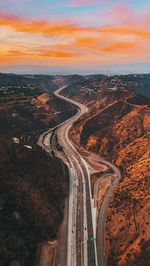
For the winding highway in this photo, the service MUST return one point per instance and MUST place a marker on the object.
(84, 248)
(82, 242)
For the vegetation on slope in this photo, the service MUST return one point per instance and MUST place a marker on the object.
(118, 129)
(32, 192)
(33, 186)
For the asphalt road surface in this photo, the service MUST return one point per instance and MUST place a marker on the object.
(81, 245)
(84, 249)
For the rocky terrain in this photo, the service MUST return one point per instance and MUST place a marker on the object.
(118, 129)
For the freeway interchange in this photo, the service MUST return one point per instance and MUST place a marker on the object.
(83, 248)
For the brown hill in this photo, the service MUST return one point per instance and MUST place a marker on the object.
(119, 130)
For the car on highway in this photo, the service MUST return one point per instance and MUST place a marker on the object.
(92, 238)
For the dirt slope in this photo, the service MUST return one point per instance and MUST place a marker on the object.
(118, 129)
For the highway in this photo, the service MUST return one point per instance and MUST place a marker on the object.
(84, 249)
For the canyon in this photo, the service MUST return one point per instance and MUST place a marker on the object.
(117, 128)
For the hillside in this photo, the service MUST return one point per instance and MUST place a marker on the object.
(118, 129)
(24, 116)
(33, 186)
(90, 87)
(41, 82)
(32, 192)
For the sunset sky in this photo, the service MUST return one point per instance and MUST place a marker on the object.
(68, 36)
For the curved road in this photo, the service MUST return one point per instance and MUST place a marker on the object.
(82, 249)
(85, 248)
(103, 214)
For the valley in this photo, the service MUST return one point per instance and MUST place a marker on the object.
(110, 142)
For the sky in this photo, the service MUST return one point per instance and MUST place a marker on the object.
(74, 36)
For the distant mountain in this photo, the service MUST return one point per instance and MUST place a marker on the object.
(69, 70)
(138, 83)
(43, 82)
(143, 83)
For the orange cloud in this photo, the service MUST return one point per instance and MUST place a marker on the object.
(63, 28)
(69, 41)
(127, 31)
(119, 47)
(39, 53)
(87, 42)
(39, 27)
(56, 54)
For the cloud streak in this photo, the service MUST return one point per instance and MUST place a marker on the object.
(65, 28)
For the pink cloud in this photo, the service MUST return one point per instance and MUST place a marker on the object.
(121, 13)
(8, 16)
(81, 3)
